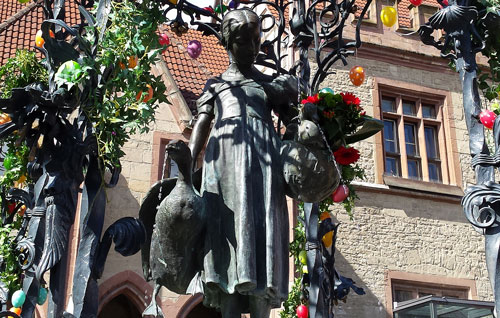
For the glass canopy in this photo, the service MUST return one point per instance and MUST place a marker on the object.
(442, 307)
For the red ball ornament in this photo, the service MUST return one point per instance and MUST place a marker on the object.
(11, 207)
(341, 193)
(416, 3)
(357, 75)
(302, 311)
(487, 118)
(163, 39)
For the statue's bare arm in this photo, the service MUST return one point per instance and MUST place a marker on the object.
(199, 136)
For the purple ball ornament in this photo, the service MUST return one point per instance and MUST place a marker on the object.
(194, 49)
(234, 4)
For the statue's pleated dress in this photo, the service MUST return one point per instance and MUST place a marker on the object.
(246, 243)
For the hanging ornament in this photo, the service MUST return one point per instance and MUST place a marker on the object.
(357, 75)
(416, 3)
(42, 296)
(220, 8)
(39, 41)
(194, 49)
(302, 311)
(305, 270)
(389, 16)
(163, 39)
(18, 298)
(341, 193)
(16, 310)
(324, 215)
(234, 4)
(209, 9)
(303, 257)
(487, 118)
(327, 90)
(328, 239)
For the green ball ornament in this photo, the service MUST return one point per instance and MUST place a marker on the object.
(42, 296)
(303, 257)
(24, 1)
(7, 162)
(327, 90)
(18, 299)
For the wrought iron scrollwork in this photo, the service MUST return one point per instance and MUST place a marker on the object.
(26, 256)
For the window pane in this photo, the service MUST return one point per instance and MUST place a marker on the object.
(434, 172)
(402, 295)
(390, 141)
(413, 169)
(392, 166)
(410, 140)
(409, 108)
(431, 142)
(388, 104)
(428, 111)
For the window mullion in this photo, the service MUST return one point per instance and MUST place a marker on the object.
(441, 141)
(402, 147)
(423, 151)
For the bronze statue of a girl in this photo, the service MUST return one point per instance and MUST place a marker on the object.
(245, 263)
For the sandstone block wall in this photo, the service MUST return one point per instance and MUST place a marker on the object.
(423, 235)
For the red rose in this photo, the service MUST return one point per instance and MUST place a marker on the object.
(350, 99)
(346, 156)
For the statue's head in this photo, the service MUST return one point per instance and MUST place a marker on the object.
(241, 35)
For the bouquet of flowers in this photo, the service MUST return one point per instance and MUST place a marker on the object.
(342, 121)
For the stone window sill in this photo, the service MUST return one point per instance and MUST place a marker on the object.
(415, 188)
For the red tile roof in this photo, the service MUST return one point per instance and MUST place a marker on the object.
(404, 11)
(20, 22)
(192, 74)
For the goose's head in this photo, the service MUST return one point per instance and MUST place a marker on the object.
(178, 151)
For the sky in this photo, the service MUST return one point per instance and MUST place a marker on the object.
(199, 3)
(203, 3)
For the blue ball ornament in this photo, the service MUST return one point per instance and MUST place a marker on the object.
(327, 90)
(42, 296)
(18, 298)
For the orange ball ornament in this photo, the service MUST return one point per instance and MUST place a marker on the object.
(132, 61)
(357, 75)
(324, 215)
(39, 41)
(148, 97)
(15, 310)
(388, 16)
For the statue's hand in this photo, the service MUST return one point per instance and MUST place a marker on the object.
(289, 84)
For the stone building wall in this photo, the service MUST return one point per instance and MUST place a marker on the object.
(404, 231)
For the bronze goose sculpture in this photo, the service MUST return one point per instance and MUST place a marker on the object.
(178, 229)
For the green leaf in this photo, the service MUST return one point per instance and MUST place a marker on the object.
(370, 127)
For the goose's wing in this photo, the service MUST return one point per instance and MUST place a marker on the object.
(147, 215)
(147, 212)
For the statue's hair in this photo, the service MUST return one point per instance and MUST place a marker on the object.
(233, 21)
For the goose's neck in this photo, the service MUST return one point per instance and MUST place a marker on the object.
(185, 174)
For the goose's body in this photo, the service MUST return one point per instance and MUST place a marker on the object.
(177, 235)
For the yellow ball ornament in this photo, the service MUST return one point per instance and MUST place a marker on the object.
(389, 16)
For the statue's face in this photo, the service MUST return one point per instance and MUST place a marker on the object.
(245, 43)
